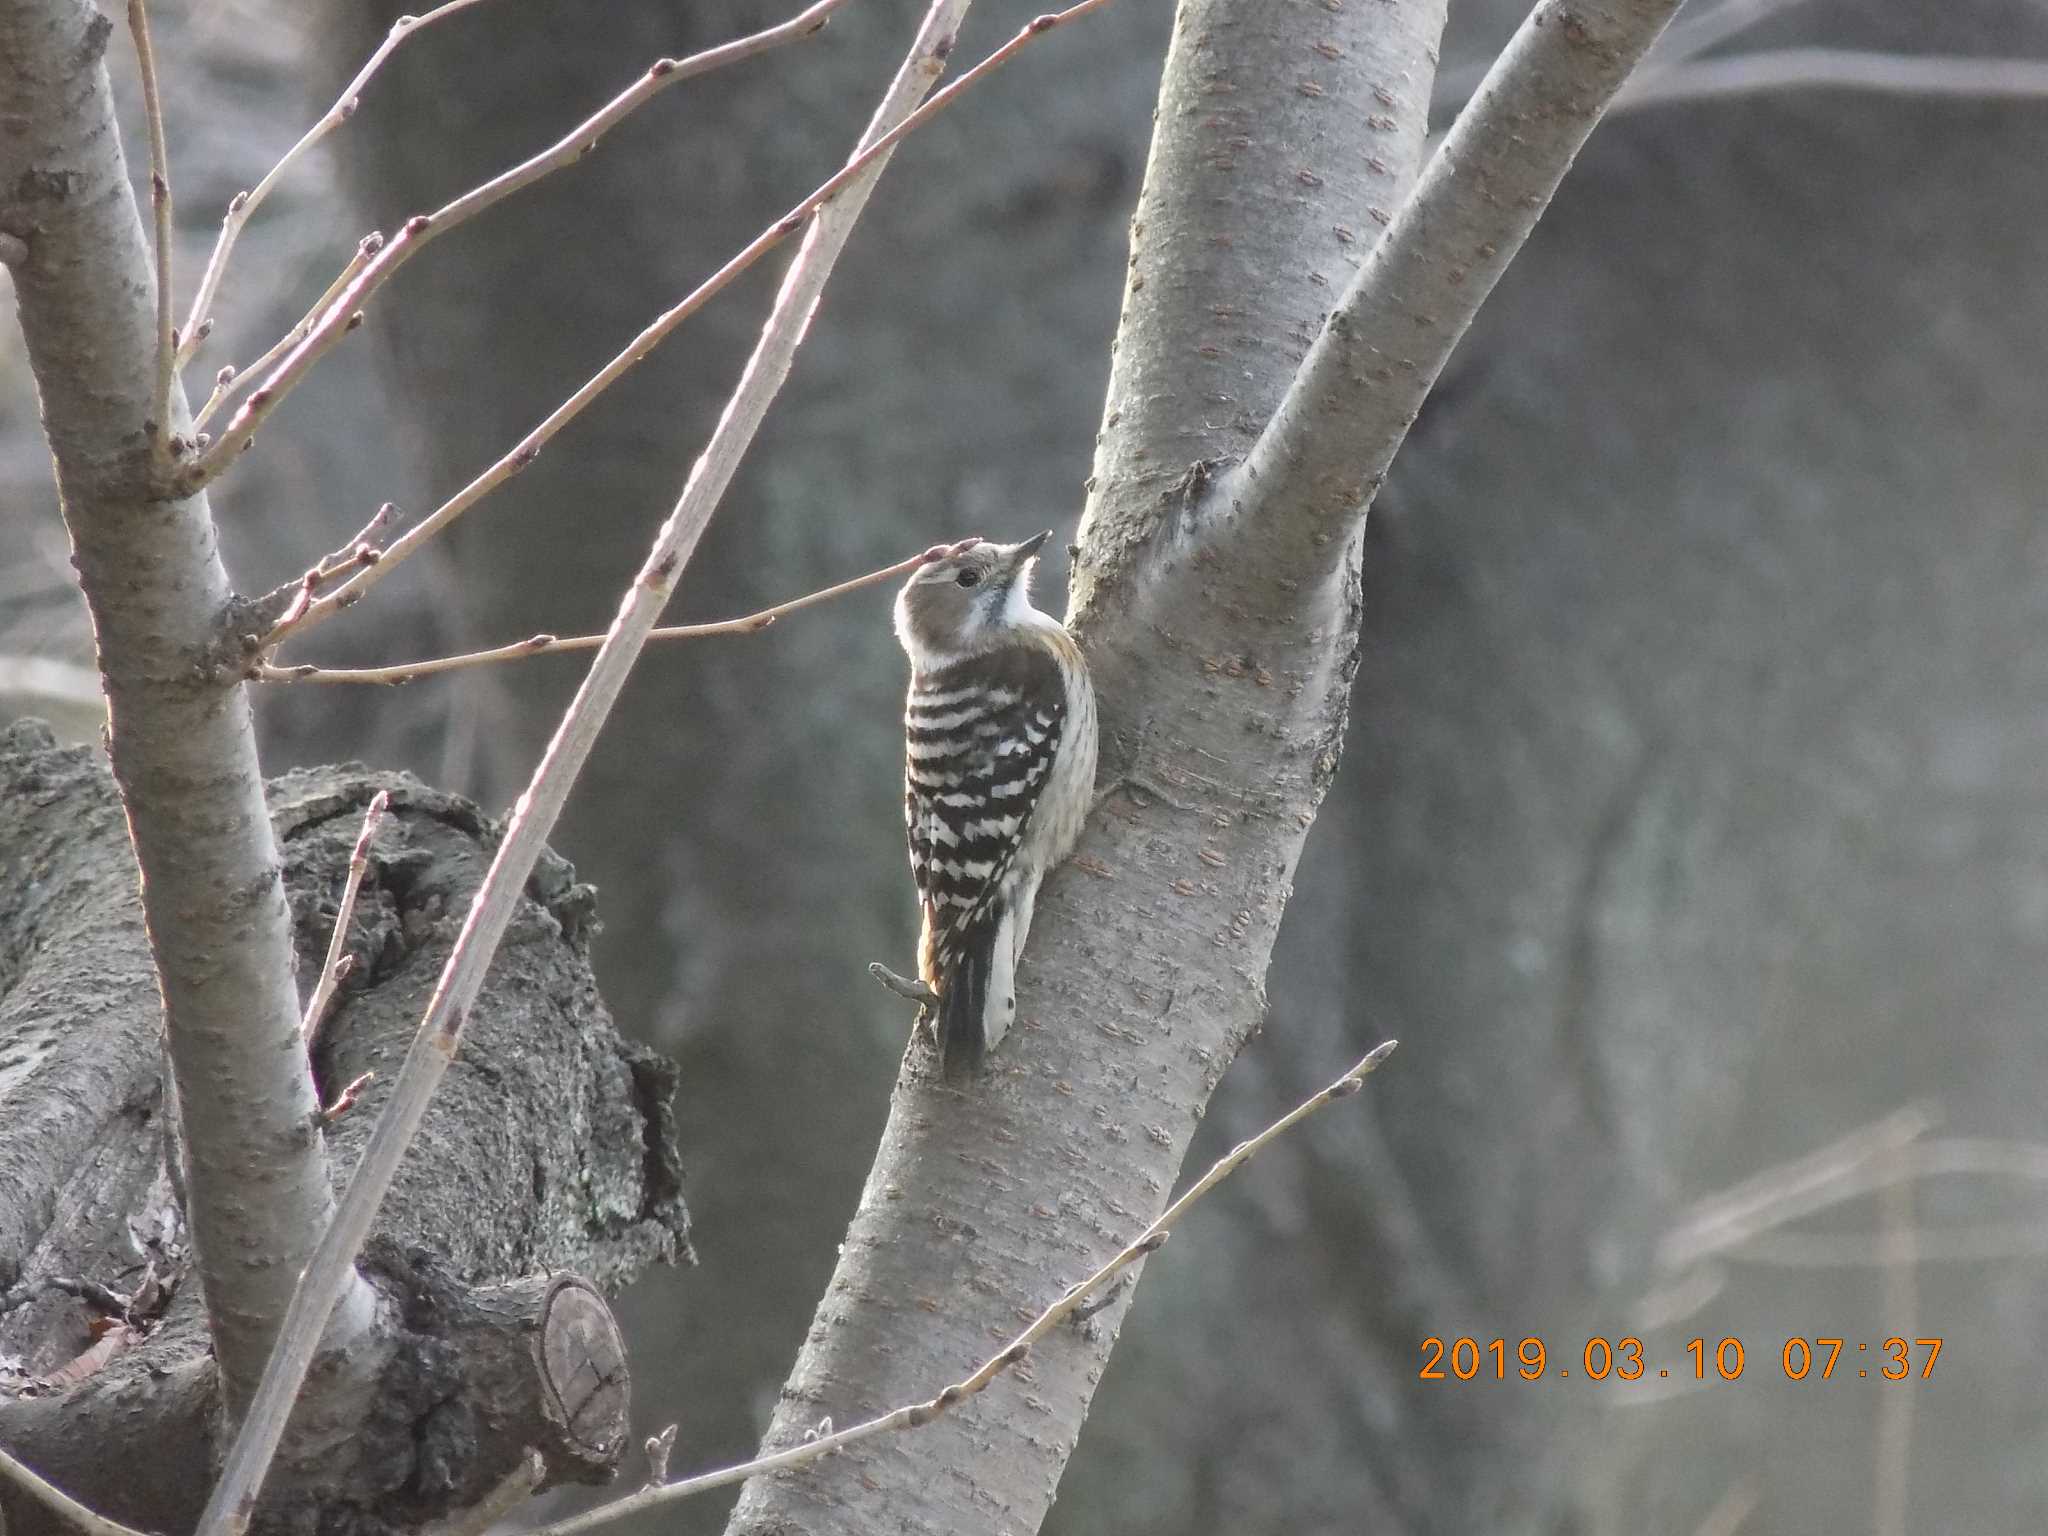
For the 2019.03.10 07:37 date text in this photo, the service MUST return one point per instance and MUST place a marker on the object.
(1813, 1358)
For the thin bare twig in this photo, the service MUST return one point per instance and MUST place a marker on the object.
(1870, 1249)
(418, 231)
(528, 448)
(1070, 1303)
(346, 1099)
(324, 1279)
(1692, 33)
(1696, 30)
(548, 645)
(103, 1298)
(360, 550)
(160, 202)
(511, 1491)
(60, 681)
(1811, 1184)
(334, 968)
(1790, 1190)
(1740, 1224)
(1733, 1508)
(244, 204)
(58, 1502)
(1890, 1490)
(224, 382)
(1894, 74)
(1688, 1292)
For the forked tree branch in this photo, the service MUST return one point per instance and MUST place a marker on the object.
(181, 738)
(345, 313)
(1313, 470)
(1704, 26)
(326, 1277)
(528, 448)
(363, 549)
(1071, 1305)
(332, 972)
(552, 645)
(224, 380)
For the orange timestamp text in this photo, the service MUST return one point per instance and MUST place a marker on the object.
(1623, 1359)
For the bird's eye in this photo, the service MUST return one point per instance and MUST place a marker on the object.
(969, 578)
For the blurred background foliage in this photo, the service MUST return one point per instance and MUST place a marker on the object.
(1692, 820)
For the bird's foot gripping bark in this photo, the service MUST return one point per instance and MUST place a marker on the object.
(909, 988)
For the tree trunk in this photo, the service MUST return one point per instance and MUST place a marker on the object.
(953, 350)
(1224, 687)
(181, 734)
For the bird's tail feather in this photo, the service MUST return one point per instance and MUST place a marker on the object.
(963, 1004)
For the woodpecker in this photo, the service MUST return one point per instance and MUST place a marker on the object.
(999, 775)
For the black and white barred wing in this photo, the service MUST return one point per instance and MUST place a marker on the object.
(981, 736)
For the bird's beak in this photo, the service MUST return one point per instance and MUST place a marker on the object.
(1018, 557)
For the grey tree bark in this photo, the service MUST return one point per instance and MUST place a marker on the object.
(551, 1150)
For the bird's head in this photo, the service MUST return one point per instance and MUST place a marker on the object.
(965, 598)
